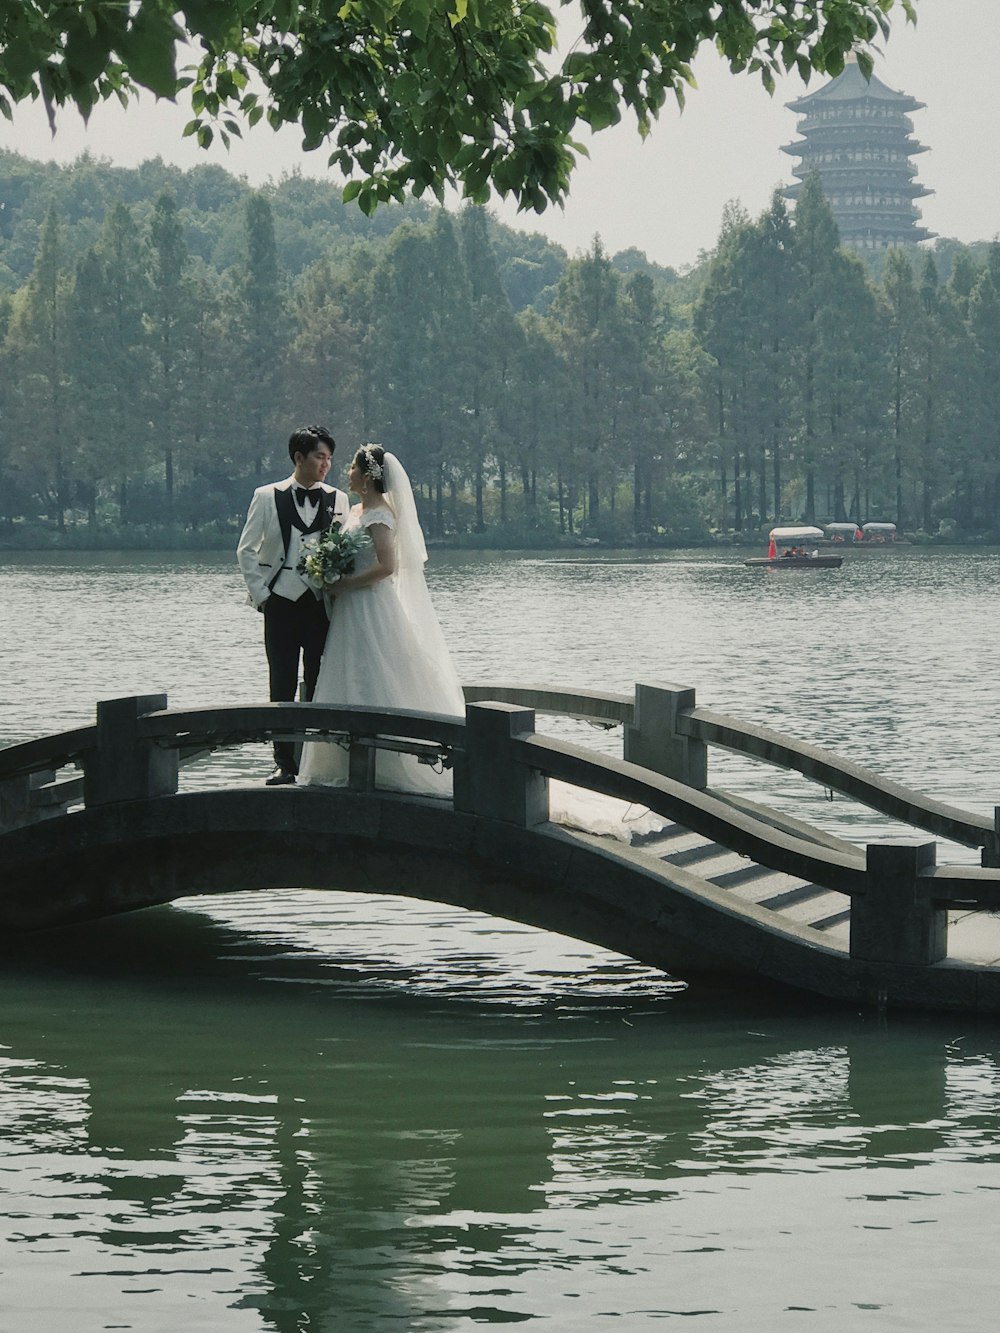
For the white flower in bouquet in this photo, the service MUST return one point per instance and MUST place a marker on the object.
(326, 558)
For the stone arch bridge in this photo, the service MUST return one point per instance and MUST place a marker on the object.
(102, 820)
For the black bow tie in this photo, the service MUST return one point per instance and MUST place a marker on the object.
(307, 497)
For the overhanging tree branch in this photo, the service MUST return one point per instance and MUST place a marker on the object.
(378, 83)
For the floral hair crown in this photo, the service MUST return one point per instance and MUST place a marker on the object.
(373, 467)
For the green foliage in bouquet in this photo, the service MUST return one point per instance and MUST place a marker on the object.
(326, 558)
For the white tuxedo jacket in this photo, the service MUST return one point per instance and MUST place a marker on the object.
(263, 544)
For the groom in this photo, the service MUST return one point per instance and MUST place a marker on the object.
(295, 619)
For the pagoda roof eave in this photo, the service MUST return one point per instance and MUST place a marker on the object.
(852, 86)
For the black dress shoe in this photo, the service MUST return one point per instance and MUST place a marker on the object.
(280, 778)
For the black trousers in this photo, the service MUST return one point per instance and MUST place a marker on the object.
(293, 630)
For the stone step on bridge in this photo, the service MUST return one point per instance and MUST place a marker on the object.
(98, 821)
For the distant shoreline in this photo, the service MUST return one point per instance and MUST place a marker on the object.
(190, 543)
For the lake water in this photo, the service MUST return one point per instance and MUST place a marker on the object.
(304, 1111)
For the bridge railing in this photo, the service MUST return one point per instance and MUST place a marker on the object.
(138, 745)
(506, 765)
(501, 771)
(899, 898)
(664, 731)
(667, 732)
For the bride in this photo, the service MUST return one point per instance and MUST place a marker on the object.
(385, 649)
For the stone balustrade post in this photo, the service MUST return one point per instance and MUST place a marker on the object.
(15, 802)
(653, 741)
(125, 766)
(895, 921)
(990, 857)
(20, 802)
(361, 766)
(489, 781)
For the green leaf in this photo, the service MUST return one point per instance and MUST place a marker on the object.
(216, 20)
(87, 51)
(149, 47)
(599, 114)
(406, 88)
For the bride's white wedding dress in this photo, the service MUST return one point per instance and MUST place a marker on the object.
(385, 649)
(376, 657)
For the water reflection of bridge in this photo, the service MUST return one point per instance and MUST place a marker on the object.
(356, 1161)
(729, 886)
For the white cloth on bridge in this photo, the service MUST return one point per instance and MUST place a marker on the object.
(591, 812)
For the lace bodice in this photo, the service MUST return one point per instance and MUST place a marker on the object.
(359, 517)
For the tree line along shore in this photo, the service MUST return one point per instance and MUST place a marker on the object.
(162, 332)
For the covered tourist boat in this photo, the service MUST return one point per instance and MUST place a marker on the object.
(843, 532)
(880, 532)
(794, 548)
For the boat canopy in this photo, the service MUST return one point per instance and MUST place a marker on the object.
(841, 527)
(796, 534)
(878, 527)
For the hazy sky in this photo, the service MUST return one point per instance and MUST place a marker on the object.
(665, 196)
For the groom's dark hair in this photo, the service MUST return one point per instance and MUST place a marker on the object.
(305, 439)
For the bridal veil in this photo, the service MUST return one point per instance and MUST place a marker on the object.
(411, 584)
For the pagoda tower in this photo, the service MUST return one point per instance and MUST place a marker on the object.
(857, 135)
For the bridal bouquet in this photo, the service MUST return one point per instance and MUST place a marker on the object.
(326, 557)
